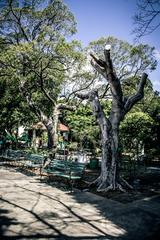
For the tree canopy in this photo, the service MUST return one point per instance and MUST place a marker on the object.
(35, 54)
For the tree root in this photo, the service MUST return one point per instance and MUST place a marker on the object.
(99, 189)
(104, 185)
(97, 181)
(126, 183)
(88, 183)
(119, 187)
(111, 188)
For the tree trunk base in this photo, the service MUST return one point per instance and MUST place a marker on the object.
(111, 187)
(105, 185)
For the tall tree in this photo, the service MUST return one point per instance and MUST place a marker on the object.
(109, 178)
(37, 54)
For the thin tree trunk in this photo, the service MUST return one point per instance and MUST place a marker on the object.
(50, 132)
(34, 140)
(56, 120)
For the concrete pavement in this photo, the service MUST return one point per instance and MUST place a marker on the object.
(31, 209)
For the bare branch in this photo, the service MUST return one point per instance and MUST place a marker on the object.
(99, 65)
(83, 96)
(66, 107)
(82, 89)
(138, 96)
(114, 82)
(109, 66)
(18, 19)
(99, 69)
(105, 91)
(147, 17)
(100, 62)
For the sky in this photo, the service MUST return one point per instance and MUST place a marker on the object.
(103, 18)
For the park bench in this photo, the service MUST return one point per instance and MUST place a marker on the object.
(34, 161)
(19, 157)
(72, 171)
(10, 156)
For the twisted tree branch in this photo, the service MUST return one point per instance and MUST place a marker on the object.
(138, 96)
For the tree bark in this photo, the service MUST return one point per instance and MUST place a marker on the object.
(52, 124)
(50, 131)
(56, 113)
(109, 178)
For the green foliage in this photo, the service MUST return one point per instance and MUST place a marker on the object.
(35, 54)
(83, 126)
(134, 130)
(141, 126)
(133, 122)
(129, 86)
(13, 109)
(35, 20)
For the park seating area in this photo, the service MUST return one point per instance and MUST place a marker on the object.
(13, 155)
(22, 158)
(70, 170)
(34, 161)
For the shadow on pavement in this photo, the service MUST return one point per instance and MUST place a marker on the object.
(5, 221)
(134, 221)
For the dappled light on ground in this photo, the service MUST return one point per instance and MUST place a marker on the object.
(40, 210)
(31, 209)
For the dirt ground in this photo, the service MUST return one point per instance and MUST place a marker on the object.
(145, 184)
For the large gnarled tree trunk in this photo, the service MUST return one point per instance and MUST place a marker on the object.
(109, 178)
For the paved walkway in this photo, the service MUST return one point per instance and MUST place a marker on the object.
(30, 209)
